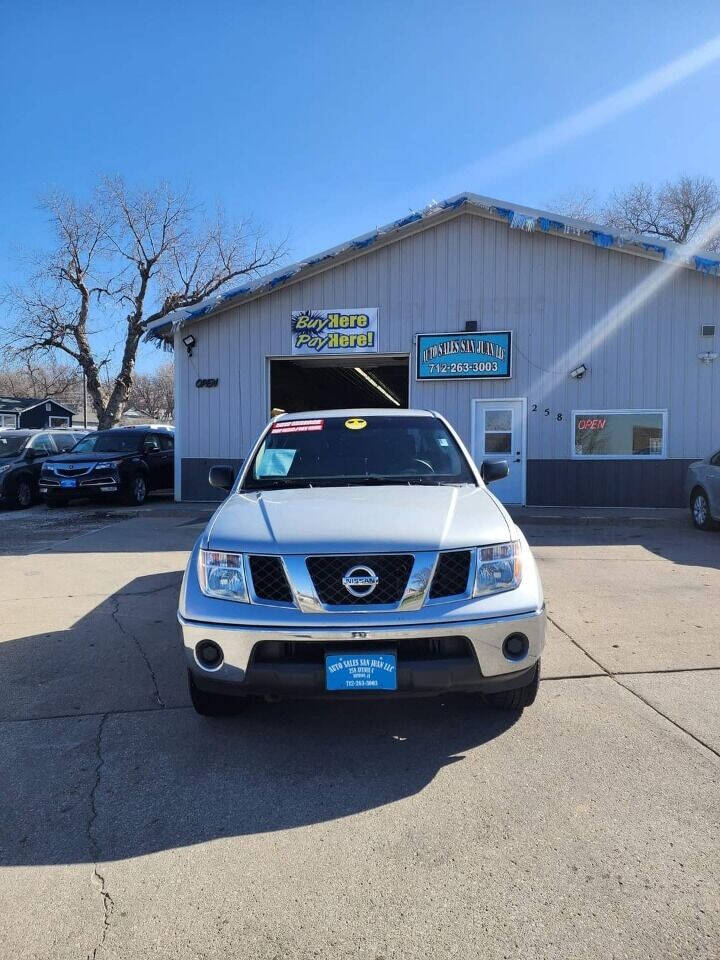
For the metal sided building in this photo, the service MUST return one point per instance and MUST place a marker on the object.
(586, 358)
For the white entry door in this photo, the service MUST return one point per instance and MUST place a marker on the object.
(499, 434)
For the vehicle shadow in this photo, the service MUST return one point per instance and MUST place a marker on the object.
(159, 525)
(122, 766)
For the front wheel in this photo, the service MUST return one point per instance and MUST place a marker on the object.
(516, 699)
(213, 704)
(23, 494)
(137, 491)
(700, 508)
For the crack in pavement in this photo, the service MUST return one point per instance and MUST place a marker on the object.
(614, 677)
(115, 614)
(84, 596)
(628, 673)
(118, 712)
(601, 674)
(96, 877)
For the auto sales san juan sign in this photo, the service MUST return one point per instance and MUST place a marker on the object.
(323, 333)
(464, 356)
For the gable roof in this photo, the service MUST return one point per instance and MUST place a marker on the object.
(517, 218)
(21, 404)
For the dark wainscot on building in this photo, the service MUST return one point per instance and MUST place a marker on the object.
(586, 358)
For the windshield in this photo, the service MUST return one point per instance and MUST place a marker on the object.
(109, 443)
(10, 444)
(357, 450)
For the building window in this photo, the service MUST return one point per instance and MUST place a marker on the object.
(498, 431)
(7, 420)
(59, 422)
(619, 434)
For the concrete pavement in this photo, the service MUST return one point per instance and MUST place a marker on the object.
(132, 828)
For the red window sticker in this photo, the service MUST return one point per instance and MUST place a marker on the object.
(297, 426)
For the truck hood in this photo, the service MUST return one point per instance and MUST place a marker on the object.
(357, 520)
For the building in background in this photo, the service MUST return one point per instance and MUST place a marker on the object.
(511, 322)
(30, 412)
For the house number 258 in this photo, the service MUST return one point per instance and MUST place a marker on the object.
(546, 412)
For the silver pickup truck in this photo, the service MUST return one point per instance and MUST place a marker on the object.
(359, 553)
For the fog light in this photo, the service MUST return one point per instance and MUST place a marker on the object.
(515, 646)
(209, 654)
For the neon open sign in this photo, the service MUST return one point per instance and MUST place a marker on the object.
(592, 423)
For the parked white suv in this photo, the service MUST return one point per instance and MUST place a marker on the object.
(360, 553)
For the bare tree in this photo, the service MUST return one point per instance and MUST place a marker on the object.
(675, 210)
(114, 259)
(152, 393)
(578, 203)
(48, 379)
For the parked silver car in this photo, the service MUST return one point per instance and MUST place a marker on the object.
(360, 553)
(702, 491)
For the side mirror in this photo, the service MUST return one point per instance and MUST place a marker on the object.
(493, 470)
(31, 454)
(222, 477)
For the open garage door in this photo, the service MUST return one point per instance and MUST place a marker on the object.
(308, 384)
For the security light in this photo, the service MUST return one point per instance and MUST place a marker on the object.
(579, 372)
(189, 342)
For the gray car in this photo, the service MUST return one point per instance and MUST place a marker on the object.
(360, 553)
(702, 491)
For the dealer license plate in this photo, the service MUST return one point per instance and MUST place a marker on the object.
(361, 671)
(68, 483)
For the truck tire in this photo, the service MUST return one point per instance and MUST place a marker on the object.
(516, 699)
(700, 509)
(213, 704)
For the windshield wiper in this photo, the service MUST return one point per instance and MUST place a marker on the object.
(277, 483)
(367, 480)
(376, 480)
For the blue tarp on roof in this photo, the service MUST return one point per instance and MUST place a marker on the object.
(523, 218)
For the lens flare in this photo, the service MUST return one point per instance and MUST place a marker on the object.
(550, 139)
(582, 349)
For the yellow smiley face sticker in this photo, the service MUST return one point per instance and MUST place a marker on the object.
(356, 423)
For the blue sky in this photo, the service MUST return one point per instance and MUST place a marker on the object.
(325, 119)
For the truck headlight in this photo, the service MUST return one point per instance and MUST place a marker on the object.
(499, 568)
(222, 575)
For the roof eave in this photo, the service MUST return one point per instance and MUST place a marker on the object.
(517, 216)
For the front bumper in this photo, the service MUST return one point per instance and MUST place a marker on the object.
(484, 667)
(90, 486)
